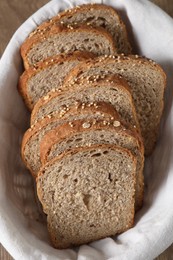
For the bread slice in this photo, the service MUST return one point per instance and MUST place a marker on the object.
(97, 15)
(66, 40)
(88, 132)
(113, 90)
(47, 75)
(30, 149)
(88, 201)
(147, 81)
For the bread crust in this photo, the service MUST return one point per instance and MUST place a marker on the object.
(71, 128)
(135, 59)
(30, 42)
(56, 20)
(111, 80)
(51, 61)
(101, 107)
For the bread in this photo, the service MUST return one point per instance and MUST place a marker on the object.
(88, 201)
(147, 81)
(113, 90)
(59, 40)
(88, 132)
(30, 148)
(47, 75)
(97, 15)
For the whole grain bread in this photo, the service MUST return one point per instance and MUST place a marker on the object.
(66, 40)
(147, 81)
(89, 201)
(96, 15)
(30, 148)
(87, 132)
(47, 75)
(111, 89)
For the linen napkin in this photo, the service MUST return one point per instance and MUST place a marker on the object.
(22, 224)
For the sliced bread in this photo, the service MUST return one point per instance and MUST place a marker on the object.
(147, 81)
(88, 132)
(96, 15)
(113, 90)
(47, 75)
(30, 149)
(90, 200)
(66, 40)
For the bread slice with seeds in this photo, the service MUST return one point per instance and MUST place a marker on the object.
(113, 90)
(47, 75)
(97, 15)
(147, 81)
(59, 40)
(88, 202)
(88, 132)
(30, 148)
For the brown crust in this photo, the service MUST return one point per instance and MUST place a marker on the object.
(116, 59)
(102, 107)
(32, 71)
(28, 44)
(61, 132)
(113, 79)
(70, 12)
(73, 151)
(82, 8)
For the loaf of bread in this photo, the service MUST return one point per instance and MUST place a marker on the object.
(47, 75)
(147, 82)
(94, 108)
(96, 15)
(61, 39)
(88, 201)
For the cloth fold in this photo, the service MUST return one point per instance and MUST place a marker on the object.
(22, 225)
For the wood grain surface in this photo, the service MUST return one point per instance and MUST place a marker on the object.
(12, 14)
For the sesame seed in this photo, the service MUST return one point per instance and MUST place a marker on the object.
(46, 97)
(86, 125)
(116, 123)
(70, 123)
(136, 56)
(134, 126)
(104, 122)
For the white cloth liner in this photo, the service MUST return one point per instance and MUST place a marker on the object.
(22, 227)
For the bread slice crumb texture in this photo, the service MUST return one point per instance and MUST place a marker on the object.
(90, 202)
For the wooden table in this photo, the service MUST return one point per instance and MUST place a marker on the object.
(12, 15)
